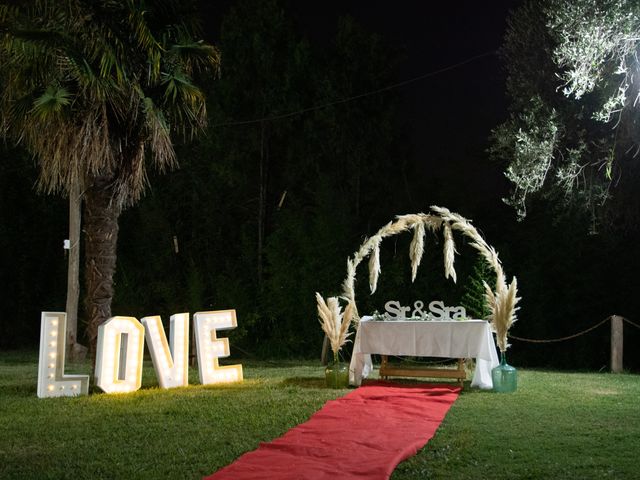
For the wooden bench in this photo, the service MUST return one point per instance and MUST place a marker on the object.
(388, 370)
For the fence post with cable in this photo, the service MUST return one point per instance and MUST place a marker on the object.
(617, 342)
(617, 339)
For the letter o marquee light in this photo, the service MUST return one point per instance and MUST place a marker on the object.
(119, 355)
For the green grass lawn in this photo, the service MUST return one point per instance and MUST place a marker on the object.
(557, 425)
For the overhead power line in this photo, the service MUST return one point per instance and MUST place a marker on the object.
(356, 97)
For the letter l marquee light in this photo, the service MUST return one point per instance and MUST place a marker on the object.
(171, 362)
(52, 382)
(210, 348)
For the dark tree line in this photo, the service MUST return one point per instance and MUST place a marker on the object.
(262, 214)
(265, 213)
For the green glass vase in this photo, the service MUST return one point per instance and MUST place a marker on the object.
(504, 376)
(336, 374)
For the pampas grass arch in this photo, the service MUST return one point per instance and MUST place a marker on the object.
(501, 301)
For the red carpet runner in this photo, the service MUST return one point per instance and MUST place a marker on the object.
(362, 435)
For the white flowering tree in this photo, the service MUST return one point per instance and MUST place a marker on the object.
(573, 85)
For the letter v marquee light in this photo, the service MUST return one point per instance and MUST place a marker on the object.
(171, 362)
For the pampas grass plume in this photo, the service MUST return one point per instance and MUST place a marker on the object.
(374, 267)
(449, 253)
(416, 249)
(334, 324)
(504, 313)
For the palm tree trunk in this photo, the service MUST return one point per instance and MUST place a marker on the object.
(101, 238)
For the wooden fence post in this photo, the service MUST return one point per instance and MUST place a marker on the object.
(616, 343)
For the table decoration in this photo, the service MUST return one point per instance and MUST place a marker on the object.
(471, 339)
(501, 299)
(335, 325)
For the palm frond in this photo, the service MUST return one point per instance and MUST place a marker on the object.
(51, 102)
(8, 13)
(160, 136)
(109, 65)
(179, 87)
(197, 56)
(143, 35)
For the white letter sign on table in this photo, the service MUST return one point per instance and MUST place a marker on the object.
(437, 311)
(120, 349)
(52, 382)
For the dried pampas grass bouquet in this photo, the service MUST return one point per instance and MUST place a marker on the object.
(334, 322)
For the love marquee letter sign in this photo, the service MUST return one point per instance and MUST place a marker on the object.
(121, 347)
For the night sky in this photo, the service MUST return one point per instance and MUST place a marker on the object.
(433, 35)
(449, 115)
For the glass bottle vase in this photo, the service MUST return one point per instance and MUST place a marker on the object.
(504, 376)
(336, 374)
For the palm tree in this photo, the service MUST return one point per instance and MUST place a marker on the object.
(95, 89)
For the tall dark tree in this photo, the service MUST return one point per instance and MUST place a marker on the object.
(32, 265)
(293, 193)
(95, 90)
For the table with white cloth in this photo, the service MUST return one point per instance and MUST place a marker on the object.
(448, 339)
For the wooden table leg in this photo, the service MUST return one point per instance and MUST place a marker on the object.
(383, 367)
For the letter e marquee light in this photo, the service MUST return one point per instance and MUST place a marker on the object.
(210, 348)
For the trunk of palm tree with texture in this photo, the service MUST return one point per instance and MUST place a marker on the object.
(101, 238)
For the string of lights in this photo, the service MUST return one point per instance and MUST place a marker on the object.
(356, 97)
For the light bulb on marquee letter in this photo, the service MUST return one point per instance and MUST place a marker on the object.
(119, 355)
(52, 382)
(210, 348)
(171, 364)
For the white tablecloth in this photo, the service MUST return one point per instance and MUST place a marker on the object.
(455, 339)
